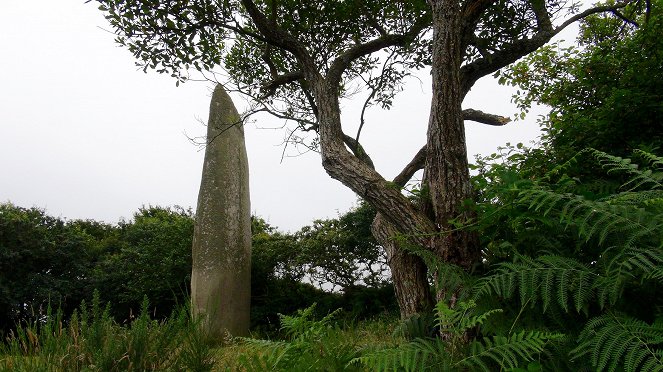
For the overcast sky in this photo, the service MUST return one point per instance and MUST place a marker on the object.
(85, 134)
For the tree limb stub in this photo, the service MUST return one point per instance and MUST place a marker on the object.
(485, 118)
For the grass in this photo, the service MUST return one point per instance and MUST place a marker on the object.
(92, 341)
(306, 344)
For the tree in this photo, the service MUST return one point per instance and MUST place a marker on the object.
(43, 261)
(604, 93)
(151, 256)
(297, 59)
(341, 253)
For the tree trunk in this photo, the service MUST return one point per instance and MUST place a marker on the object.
(221, 276)
(447, 171)
(408, 271)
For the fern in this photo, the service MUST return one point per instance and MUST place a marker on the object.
(272, 354)
(417, 326)
(547, 278)
(459, 319)
(453, 352)
(417, 355)
(607, 254)
(594, 219)
(613, 340)
(637, 178)
(507, 352)
(653, 160)
(312, 345)
(645, 198)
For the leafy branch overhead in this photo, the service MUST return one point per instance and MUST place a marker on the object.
(273, 51)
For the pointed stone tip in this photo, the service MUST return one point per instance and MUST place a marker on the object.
(222, 109)
(220, 95)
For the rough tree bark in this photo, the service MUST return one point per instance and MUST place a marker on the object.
(447, 172)
(409, 273)
(221, 276)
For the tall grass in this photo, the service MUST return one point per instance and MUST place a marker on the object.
(92, 341)
(308, 344)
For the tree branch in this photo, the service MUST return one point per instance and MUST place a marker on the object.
(417, 163)
(270, 87)
(343, 61)
(278, 37)
(358, 150)
(514, 51)
(484, 118)
(419, 160)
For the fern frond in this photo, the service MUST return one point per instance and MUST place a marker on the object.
(630, 264)
(614, 340)
(417, 355)
(653, 160)
(637, 178)
(640, 198)
(593, 219)
(648, 261)
(546, 278)
(416, 326)
(267, 354)
(507, 352)
(460, 319)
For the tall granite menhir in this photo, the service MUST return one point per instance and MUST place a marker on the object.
(221, 277)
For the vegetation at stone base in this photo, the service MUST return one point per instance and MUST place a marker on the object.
(92, 341)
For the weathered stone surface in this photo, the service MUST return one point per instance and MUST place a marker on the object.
(221, 277)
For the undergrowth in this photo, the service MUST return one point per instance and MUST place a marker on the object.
(92, 341)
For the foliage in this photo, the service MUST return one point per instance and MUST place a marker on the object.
(597, 263)
(47, 259)
(92, 341)
(331, 253)
(151, 257)
(612, 340)
(603, 94)
(341, 252)
(310, 345)
(454, 352)
(43, 259)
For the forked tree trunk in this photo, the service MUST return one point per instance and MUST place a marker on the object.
(221, 277)
(446, 167)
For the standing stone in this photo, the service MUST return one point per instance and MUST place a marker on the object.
(221, 277)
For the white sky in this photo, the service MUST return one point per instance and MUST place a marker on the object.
(85, 134)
